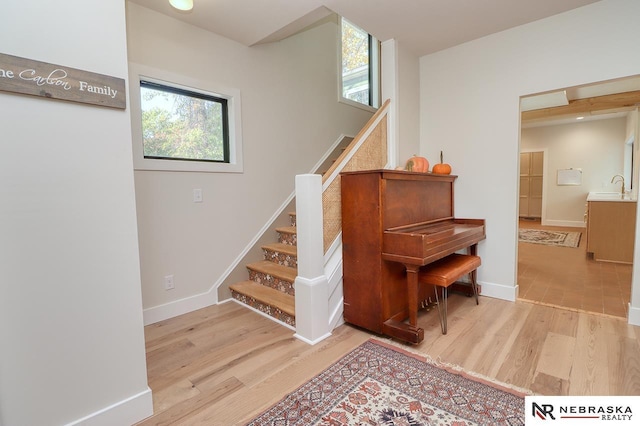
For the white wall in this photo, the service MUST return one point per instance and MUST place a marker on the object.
(470, 109)
(70, 305)
(632, 134)
(400, 83)
(596, 147)
(408, 104)
(290, 117)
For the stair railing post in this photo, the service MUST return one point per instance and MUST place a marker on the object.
(311, 285)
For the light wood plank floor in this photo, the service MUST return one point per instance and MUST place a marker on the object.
(569, 278)
(224, 364)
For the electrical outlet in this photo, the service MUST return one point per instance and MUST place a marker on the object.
(168, 282)
(197, 195)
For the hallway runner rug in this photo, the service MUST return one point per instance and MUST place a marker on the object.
(381, 384)
(549, 238)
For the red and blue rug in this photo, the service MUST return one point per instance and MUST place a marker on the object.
(380, 384)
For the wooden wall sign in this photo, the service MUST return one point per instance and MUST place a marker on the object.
(26, 76)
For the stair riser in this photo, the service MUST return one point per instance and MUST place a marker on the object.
(266, 309)
(273, 282)
(283, 259)
(286, 238)
(265, 274)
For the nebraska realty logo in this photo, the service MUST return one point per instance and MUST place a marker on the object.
(581, 410)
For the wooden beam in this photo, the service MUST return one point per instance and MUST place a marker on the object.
(594, 105)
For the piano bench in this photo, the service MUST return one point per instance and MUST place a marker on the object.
(446, 271)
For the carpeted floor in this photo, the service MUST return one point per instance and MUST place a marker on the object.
(549, 238)
(381, 384)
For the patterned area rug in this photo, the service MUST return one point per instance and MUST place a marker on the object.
(379, 384)
(549, 238)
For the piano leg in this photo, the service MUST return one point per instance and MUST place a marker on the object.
(410, 333)
(474, 284)
(412, 293)
(473, 250)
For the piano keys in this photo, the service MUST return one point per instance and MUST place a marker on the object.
(393, 223)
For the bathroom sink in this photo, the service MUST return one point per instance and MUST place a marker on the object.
(608, 196)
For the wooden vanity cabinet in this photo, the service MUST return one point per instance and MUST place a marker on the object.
(611, 230)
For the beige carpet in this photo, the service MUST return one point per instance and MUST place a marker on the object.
(550, 238)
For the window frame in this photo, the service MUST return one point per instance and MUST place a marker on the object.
(373, 72)
(197, 95)
(183, 84)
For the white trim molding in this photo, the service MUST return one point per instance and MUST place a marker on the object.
(500, 291)
(312, 286)
(126, 412)
(179, 307)
(634, 315)
(139, 72)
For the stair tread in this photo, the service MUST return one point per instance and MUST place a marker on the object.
(282, 248)
(287, 229)
(266, 267)
(266, 295)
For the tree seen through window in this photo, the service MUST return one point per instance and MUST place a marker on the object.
(182, 125)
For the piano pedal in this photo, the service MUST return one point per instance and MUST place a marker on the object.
(427, 304)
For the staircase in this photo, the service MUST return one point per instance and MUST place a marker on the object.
(270, 287)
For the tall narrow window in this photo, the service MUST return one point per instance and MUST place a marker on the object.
(179, 124)
(360, 64)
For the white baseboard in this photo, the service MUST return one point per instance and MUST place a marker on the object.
(567, 223)
(125, 412)
(180, 307)
(311, 342)
(499, 291)
(634, 315)
(199, 301)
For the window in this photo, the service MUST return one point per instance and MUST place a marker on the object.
(179, 124)
(184, 124)
(360, 65)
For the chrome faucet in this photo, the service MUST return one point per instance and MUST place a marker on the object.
(622, 191)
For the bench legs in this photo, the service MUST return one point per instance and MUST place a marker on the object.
(445, 272)
(442, 311)
(474, 284)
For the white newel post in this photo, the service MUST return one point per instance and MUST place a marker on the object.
(311, 285)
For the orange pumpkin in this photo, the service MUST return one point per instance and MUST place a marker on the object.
(442, 168)
(417, 164)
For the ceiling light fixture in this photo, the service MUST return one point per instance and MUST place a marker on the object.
(182, 4)
(579, 118)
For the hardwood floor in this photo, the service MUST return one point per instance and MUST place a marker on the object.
(567, 277)
(224, 364)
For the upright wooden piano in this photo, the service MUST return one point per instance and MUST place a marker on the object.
(393, 223)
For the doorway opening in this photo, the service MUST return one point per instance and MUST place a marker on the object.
(570, 277)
